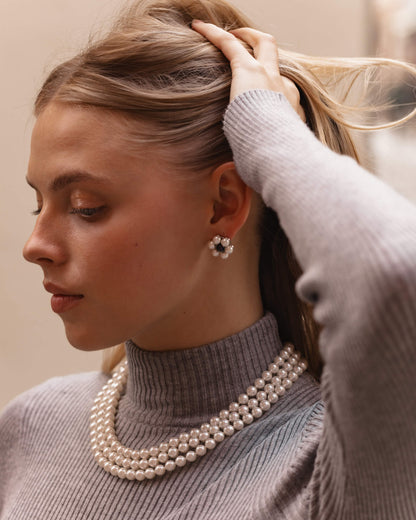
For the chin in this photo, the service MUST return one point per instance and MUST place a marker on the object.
(87, 341)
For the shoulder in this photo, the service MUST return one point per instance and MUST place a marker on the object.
(56, 393)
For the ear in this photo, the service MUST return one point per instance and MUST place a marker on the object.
(231, 202)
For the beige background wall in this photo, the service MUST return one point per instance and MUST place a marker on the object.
(34, 36)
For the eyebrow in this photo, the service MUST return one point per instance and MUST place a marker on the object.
(62, 181)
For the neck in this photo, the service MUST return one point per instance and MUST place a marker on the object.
(189, 386)
(231, 302)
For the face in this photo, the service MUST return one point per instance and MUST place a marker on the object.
(120, 241)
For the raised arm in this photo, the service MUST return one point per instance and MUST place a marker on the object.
(355, 239)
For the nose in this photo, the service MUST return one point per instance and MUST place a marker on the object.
(43, 246)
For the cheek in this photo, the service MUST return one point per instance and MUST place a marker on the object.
(155, 251)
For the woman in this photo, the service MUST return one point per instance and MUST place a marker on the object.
(151, 231)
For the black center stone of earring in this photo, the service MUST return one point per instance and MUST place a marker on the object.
(220, 248)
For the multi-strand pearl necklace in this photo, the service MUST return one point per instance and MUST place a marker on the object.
(142, 464)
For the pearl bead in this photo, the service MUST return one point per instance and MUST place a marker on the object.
(293, 376)
(280, 390)
(244, 409)
(163, 457)
(216, 240)
(251, 391)
(203, 436)
(122, 473)
(195, 432)
(266, 375)
(183, 447)
(160, 470)
(248, 419)
(224, 414)
(193, 443)
(256, 412)
(265, 405)
(282, 373)
(144, 454)
(200, 450)
(238, 425)
(170, 465)
(140, 475)
(113, 455)
(143, 464)
(214, 421)
(253, 403)
(163, 447)
(234, 407)
(273, 397)
(153, 462)
(180, 461)
(210, 444)
(219, 437)
(286, 383)
(273, 368)
(173, 452)
(225, 242)
(259, 383)
(190, 456)
(269, 388)
(214, 429)
(131, 475)
(126, 463)
(114, 470)
(234, 416)
(205, 427)
(279, 360)
(154, 451)
(150, 473)
(134, 465)
(224, 423)
(174, 442)
(288, 347)
(261, 396)
(243, 399)
(228, 430)
(184, 437)
(287, 366)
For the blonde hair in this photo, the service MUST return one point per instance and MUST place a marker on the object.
(152, 68)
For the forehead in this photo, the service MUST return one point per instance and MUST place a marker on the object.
(70, 125)
(67, 137)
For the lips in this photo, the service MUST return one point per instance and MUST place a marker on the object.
(62, 299)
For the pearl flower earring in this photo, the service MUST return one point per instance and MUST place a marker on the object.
(221, 246)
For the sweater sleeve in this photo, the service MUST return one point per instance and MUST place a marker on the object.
(355, 239)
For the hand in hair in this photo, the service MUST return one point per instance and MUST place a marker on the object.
(257, 71)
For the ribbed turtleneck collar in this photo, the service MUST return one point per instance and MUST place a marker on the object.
(184, 387)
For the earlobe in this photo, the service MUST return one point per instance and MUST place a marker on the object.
(232, 200)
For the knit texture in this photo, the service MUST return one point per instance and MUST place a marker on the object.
(345, 450)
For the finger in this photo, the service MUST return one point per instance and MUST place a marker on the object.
(264, 46)
(228, 44)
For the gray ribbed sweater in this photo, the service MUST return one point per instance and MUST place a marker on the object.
(345, 450)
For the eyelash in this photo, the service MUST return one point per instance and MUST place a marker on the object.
(84, 212)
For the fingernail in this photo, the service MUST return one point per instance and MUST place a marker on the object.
(196, 21)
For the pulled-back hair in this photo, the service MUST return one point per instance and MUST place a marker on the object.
(152, 68)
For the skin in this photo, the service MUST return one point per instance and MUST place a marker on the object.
(141, 260)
